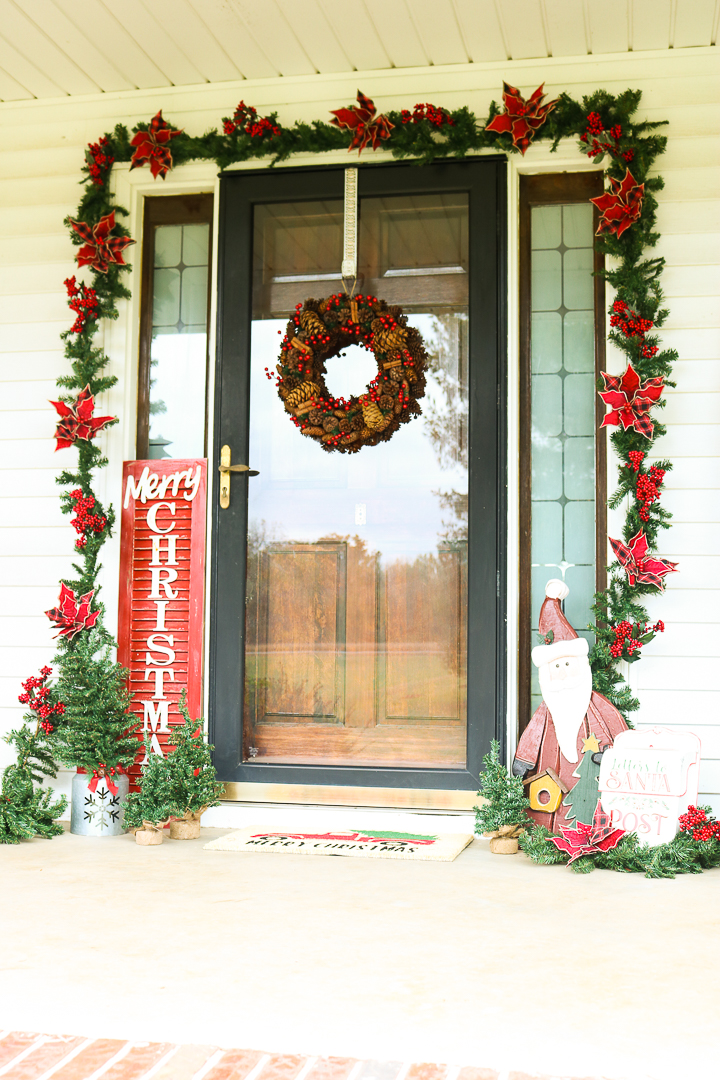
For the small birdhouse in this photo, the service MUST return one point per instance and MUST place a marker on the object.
(545, 791)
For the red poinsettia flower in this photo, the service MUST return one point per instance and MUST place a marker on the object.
(638, 565)
(588, 839)
(361, 119)
(100, 248)
(521, 118)
(620, 206)
(77, 421)
(630, 400)
(151, 145)
(72, 615)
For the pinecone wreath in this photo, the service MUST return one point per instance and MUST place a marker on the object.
(321, 329)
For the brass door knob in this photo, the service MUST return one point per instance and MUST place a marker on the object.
(225, 469)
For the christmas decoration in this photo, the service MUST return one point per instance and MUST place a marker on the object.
(149, 810)
(83, 301)
(321, 329)
(630, 638)
(100, 248)
(73, 615)
(98, 734)
(504, 813)
(27, 810)
(600, 116)
(84, 522)
(630, 400)
(77, 420)
(152, 145)
(521, 118)
(700, 823)
(581, 801)
(620, 207)
(588, 839)
(638, 565)
(190, 776)
(365, 125)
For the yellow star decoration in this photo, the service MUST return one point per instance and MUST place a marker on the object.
(591, 744)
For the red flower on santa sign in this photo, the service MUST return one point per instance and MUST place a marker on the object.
(362, 120)
(521, 118)
(72, 615)
(620, 207)
(630, 400)
(588, 839)
(638, 565)
(77, 421)
(100, 248)
(151, 146)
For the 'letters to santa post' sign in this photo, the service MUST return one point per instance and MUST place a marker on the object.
(162, 574)
(648, 778)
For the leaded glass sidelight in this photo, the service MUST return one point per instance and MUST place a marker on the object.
(562, 412)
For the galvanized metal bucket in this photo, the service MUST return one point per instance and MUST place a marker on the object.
(99, 812)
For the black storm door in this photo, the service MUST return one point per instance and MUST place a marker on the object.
(357, 632)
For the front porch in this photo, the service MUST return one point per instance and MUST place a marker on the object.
(488, 961)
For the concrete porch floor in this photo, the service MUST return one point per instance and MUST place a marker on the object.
(488, 961)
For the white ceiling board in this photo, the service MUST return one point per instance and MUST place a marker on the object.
(400, 36)
(358, 35)
(524, 29)
(650, 24)
(439, 32)
(269, 27)
(111, 39)
(226, 26)
(27, 75)
(67, 36)
(150, 35)
(608, 24)
(566, 28)
(315, 34)
(11, 90)
(192, 36)
(481, 30)
(31, 41)
(694, 21)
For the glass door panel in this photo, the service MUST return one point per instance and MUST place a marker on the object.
(356, 590)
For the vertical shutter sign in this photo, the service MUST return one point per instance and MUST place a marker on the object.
(162, 577)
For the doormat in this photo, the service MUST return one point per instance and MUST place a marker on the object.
(368, 845)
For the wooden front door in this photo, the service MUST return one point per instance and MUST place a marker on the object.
(356, 632)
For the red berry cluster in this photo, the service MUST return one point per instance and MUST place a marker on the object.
(83, 301)
(646, 491)
(99, 161)
(102, 770)
(632, 326)
(36, 698)
(602, 141)
(627, 637)
(697, 822)
(84, 522)
(245, 119)
(436, 117)
(636, 459)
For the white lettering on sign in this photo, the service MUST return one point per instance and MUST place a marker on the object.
(151, 486)
(648, 778)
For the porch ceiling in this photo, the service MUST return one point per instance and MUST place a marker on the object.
(54, 48)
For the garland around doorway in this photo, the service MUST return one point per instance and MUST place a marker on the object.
(607, 131)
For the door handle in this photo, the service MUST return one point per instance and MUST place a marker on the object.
(225, 469)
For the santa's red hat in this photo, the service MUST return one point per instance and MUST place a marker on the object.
(560, 637)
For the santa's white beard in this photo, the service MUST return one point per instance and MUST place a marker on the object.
(567, 707)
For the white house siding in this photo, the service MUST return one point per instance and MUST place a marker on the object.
(42, 150)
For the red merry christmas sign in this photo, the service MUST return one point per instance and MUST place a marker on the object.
(162, 577)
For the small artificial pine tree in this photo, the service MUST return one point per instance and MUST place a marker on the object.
(26, 810)
(97, 734)
(152, 802)
(193, 780)
(507, 804)
(581, 800)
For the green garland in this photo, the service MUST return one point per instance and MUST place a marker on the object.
(426, 135)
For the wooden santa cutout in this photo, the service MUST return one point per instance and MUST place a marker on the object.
(570, 731)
